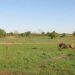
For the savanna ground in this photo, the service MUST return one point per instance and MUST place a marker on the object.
(36, 56)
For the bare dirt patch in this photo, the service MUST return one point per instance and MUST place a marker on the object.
(5, 72)
(8, 72)
(21, 43)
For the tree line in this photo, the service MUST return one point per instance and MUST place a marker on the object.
(52, 34)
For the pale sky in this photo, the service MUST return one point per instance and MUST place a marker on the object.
(37, 15)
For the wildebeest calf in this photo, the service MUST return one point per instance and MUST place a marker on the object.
(71, 46)
(63, 45)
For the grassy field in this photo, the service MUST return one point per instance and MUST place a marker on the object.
(36, 56)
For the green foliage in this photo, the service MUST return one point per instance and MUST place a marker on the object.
(28, 33)
(2, 33)
(63, 35)
(43, 33)
(22, 34)
(11, 34)
(74, 33)
(53, 34)
(47, 33)
(25, 34)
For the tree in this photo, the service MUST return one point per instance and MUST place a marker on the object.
(63, 35)
(11, 34)
(16, 33)
(74, 33)
(48, 33)
(43, 33)
(2, 33)
(22, 34)
(52, 34)
(27, 33)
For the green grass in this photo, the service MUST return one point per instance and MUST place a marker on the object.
(37, 56)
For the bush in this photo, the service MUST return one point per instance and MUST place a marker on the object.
(63, 35)
(11, 34)
(43, 33)
(2, 33)
(28, 33)
(74, 33)
(53, 34)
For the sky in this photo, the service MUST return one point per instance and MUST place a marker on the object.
(37, 15)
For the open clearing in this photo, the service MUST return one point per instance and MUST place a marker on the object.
(36, 56)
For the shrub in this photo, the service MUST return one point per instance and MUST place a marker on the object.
(2, 33)
(53, 34)
(63, 35)
(74, 33)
